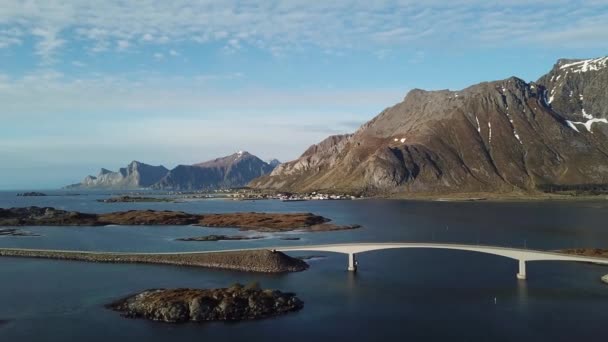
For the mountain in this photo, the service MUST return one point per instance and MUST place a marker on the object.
(273, 162)
(232, 171)
(135, 176)
(501, 137)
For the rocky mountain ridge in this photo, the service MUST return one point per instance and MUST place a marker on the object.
(136, 175)
(235, 170)
(503, 136)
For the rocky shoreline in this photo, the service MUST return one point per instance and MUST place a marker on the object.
(263, 222)
(220, 238)
(262, 261)
(588, 252)
(235, 303)
(15, 232)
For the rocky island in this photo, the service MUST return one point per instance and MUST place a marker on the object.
(235, 303)
(605, 279)
(266, 222)
(214, 237)
(31, 194)
(261, 260)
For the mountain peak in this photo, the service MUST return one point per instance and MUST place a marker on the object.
(499, 136)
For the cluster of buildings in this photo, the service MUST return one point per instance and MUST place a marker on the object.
(314, 196)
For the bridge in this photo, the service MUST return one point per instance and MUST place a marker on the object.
(521, 255)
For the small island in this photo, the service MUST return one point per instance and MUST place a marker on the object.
(133, 199)
(605, 279)
(214, 237)
(235, 303)
(263, 222)
(31, 194)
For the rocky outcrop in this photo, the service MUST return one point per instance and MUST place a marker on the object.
(262, 261)
(505, 136)
(135, 176)
(268, 222)
(605, 279)
(232, 171)
(235, 303)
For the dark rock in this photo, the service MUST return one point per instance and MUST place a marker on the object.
(227, 304)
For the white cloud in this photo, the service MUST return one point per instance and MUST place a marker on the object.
(48, 42)
(173, 53)
(276, 25)
(122, 44)
(48, 93)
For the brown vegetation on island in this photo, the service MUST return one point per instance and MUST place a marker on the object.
(267, 222)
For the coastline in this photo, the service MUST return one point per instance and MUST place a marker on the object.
(494, 197)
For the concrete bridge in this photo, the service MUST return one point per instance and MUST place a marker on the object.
(520, 255)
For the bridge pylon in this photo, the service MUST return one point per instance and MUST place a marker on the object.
(352, 262)
(521, 275)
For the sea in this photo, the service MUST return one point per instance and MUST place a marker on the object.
(396, 295)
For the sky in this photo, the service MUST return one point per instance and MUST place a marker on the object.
(91, 84)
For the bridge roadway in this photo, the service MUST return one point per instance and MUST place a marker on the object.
(521, 255)
(352, 249)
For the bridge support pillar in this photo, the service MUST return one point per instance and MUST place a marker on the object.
(522, 270)
(352, 262)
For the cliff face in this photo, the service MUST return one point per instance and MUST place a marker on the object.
(135, 176)
(232, 171)
(502, 136)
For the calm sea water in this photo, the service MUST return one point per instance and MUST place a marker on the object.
(429, 295)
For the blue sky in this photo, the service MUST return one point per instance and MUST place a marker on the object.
(87, 84)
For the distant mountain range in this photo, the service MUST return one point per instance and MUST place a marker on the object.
(505, 136)
(235, 170)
